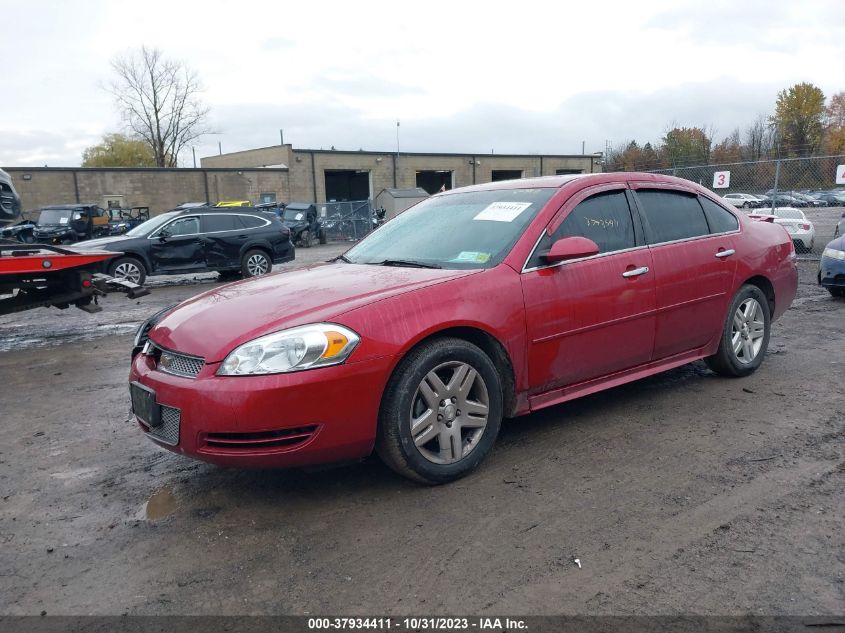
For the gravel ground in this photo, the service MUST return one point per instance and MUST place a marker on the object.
(681, 493)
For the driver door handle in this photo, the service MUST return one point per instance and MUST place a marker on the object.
(636, 272)
(726, 253)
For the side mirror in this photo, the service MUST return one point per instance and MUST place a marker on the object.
(163, 235)
(567, 248)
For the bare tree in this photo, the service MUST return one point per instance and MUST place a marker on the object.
(159, 101)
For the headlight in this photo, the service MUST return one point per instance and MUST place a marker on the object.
(299, 348)
(833, 253)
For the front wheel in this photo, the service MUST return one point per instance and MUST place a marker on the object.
(745, 336)
(128, 269)
(305, 239)
(255, 263)
(441, 412)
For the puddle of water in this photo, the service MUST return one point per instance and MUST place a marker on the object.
(161, 504)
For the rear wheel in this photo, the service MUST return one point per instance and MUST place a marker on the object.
(441, 412)
(322, 234)
(129, 269)
(837, 292)
(745, 336)
(255, 263)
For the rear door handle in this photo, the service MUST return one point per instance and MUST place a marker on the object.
(726, 253)
(636, 272)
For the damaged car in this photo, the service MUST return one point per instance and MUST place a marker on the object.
(476, 304)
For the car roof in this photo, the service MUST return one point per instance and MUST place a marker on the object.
(222, 210)
(75, 205)
(558, 182)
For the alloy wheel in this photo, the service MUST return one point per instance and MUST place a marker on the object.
(449, 412)
(748, 330)
(257, 265)
(128, 271)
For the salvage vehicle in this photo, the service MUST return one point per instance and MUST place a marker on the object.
(800, 229)
(10, 201)
(70, 223)
(199, 239)
(832, 267)
(23, 232)
(123, 220)
(304, 224)
(479, 303)
(233, 203)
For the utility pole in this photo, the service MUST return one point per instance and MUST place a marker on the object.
(220, 147)
(281, 136)
(194, 152)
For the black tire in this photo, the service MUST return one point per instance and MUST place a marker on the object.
(128, 268)
(323, 238)
(255, 263)
(395, 443)
(837, 292)
(305, 239)
(727, 362)
(229, 275)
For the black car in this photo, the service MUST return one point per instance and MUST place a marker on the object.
(10, 201)
(69, 223)
(304, 223)
(230, 240)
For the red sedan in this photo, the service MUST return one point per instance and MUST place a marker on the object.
(479, 303)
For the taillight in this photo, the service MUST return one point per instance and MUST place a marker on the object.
(806, 227)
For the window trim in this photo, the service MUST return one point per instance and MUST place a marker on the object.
(567, 207)
(683, 190)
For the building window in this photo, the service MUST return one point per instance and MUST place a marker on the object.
(434, 180)
(268, 197)
(506, 174)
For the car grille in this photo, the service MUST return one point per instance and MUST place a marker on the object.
(168, 430)
(283, 439)
(178, 364)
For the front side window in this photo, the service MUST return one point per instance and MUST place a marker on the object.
(671, 215)
(185, 226)
(604, 218)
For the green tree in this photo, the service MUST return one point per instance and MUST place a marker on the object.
(119, 150)
(686, 146)
(834, 134)
(798, 119)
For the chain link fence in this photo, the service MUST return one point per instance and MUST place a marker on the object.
(347, 221)
(786, 181)
(808, 184)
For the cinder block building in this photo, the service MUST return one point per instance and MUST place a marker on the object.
(317, 175)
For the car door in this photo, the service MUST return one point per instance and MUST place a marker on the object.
(223, 236)
(178, 245)
(592, 316)
(693, 265)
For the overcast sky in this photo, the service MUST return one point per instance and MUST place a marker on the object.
(515, 77)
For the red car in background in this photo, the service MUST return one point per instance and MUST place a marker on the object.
(479, 303)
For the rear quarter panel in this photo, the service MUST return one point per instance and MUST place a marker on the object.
(765, 249)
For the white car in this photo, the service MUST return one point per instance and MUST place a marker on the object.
(742, 200)
(800, 229)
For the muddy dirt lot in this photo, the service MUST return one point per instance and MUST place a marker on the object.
(683, 493)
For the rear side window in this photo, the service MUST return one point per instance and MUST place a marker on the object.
(719, 219)
(672, 215)
(213, 223)
(250, 221)
(604, 218)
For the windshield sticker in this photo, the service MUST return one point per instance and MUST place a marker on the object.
(63, 220)
(298, 216)
(472, 256)
(502, 211)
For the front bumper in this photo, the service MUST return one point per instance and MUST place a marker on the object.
(832, 272)
(277, 421)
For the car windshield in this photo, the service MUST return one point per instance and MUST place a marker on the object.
(462, 230)
(295, 214)
(55, 216)
(145, 228)
(789, 214)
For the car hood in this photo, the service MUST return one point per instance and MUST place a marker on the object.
(837, 244)
(105, 242)
(212, 324)
(53, 228)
